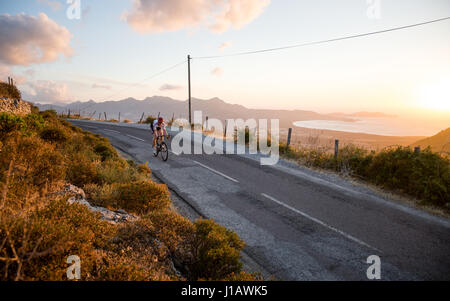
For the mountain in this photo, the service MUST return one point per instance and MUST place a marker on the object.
(132, 109)
(439, 142)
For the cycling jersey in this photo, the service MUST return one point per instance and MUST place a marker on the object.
(158, 127)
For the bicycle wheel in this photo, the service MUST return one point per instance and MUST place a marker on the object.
(164, 151)
(157, 151)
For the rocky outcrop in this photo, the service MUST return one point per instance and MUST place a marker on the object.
(77, 196)
(15, 106)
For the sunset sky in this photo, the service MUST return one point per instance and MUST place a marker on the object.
(116, 45)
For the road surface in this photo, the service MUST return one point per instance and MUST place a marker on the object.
(298, 224)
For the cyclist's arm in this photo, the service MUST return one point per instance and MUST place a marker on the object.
(165, 131)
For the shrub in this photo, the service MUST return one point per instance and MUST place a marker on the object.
(143, 196)
(54, 134)
(42, 242)
(36, 164)
(10, 123)
(150, 119)
(34, 122)
(216, 251)
(106, 151)
(140, 197)
(144, 169)
(81, 171)
(425, 175)
(118, 171)
(9, 91)
(49, 115)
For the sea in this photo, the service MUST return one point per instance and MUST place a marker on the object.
(386, 126)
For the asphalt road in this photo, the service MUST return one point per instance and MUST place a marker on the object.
(298, 224)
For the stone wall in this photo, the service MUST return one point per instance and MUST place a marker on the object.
(15, 106)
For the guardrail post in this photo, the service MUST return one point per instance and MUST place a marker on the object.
(289, 139)
(336, 148)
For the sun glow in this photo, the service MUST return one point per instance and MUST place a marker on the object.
(436, 96)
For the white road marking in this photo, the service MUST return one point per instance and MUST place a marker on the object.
(320, 222)
(91, 127)
(217, 172)
(136, 138)
(112, 131)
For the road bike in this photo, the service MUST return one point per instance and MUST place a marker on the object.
(161, 148)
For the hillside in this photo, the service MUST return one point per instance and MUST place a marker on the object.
(438, 143)
(132, 109)
(45, 218)
(11, 100)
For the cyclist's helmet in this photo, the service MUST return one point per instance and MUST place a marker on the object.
(160, 120)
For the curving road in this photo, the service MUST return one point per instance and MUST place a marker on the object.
(298, 224)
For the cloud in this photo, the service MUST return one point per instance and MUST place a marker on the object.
(238, 13)
(166, 87)
(45, 91)
(26, 40)
(225, 45)
(97, 86)
(6, 71)
(54, 5)
(217, 71)
(155, 16)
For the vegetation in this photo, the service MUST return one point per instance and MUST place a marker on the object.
(9, 91)
(424, 175)
(149, 120)
(439, 143)
(39, 229)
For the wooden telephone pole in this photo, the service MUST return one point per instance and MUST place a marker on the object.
(189, 88)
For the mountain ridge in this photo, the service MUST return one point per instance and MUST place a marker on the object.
(132, 109)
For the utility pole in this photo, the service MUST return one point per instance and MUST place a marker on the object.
(189, 85)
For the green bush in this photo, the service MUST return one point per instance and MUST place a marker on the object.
(34, 122)
(49, 115)
(54, 134)
(10, 123)
(143, 196)
(424, 175)
(106, 151)
(216, 251)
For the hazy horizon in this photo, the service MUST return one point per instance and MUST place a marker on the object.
(116, 50)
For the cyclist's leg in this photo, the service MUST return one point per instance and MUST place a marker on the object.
(160, 134)
(154, 139)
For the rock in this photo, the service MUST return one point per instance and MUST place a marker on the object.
(15, 106)
(78, 197)
(71, 190)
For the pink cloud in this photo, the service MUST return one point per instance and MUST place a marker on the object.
(154, 16)
(46, 91)
(26, 40)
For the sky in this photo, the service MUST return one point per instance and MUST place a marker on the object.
(113, 50)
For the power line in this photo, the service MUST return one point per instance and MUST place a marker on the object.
(144, 80)
(323, 41)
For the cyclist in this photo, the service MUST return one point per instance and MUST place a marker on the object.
(158, 128)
